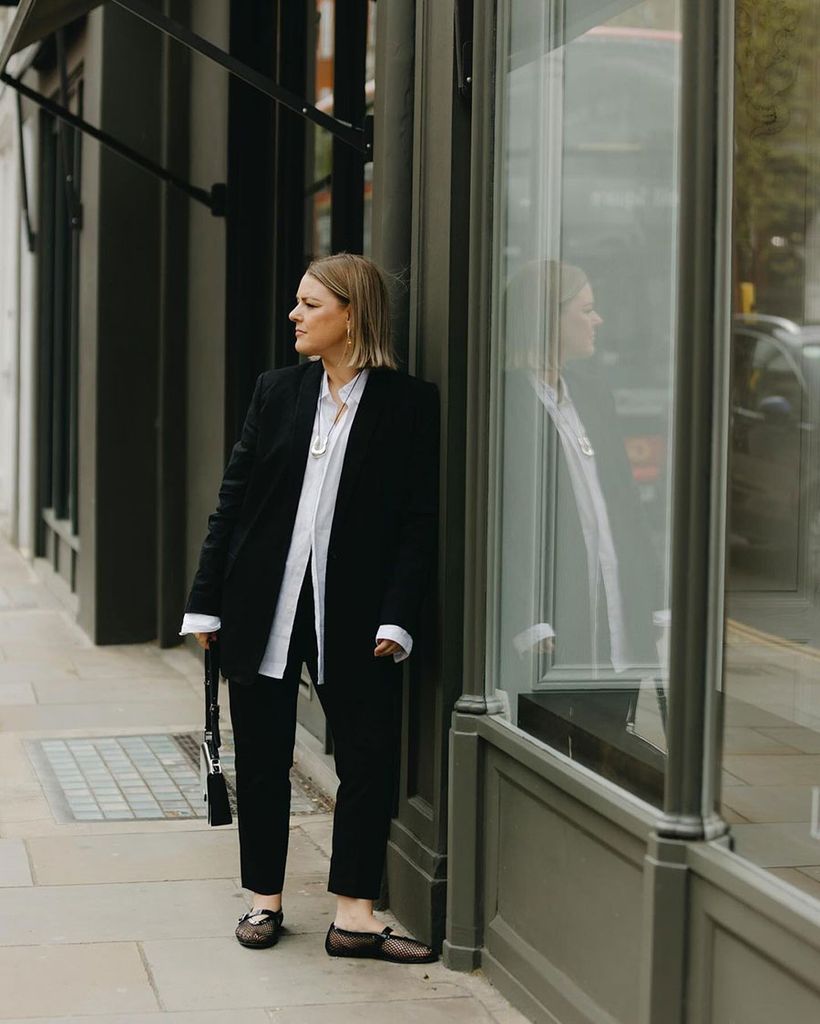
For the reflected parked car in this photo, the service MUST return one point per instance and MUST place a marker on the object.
(774, 507)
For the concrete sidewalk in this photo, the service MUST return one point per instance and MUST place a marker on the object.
(117, 903)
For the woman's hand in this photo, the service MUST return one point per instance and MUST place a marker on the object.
(204, 639)
(385, 647)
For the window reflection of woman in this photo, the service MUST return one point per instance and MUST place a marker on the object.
(600, 619)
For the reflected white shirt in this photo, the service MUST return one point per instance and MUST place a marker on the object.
(311, 534)
(602, 559)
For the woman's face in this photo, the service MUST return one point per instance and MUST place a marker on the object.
(579, 321)
(320, 320)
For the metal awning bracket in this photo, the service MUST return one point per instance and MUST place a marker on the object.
(464, 46)
(215, 199)
(219, 200)
(369, 122)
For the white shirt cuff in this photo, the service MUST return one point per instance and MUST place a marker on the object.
(529, 637)
(196, 623)
(401, 637)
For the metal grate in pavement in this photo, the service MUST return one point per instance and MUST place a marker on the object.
(123, 778)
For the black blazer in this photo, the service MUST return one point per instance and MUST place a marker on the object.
(383, 537)
(637, 564)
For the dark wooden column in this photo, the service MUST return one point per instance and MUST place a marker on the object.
(421, 154)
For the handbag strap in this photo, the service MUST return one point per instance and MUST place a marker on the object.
(212, 697)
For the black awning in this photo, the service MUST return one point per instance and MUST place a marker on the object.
(36, 19)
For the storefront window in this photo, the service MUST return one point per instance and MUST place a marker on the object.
(584, 312)
(771, 742)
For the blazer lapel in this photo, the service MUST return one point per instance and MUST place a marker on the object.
(306, 402)
(299, 441)
(367, 418)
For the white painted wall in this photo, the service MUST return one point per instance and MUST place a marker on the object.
(27, 363)
(17, 315)
(8, 311)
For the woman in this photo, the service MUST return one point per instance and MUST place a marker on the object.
(320, 551)
(598, 602)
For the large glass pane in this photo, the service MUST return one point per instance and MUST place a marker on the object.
(584, 297)
(771, 784)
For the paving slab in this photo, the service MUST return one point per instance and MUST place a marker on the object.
(78, 690)
(183, 661)
(117, 913)
(807, 879)
(785, 845)
(122, 661)
(745, 740)
(14, 765)
(33, 657)
(15, 572)
(461, 1010)
(770, 803)
(45, 627)
(806, 740)
(16, 693)
(150, 857)
(28, 672)
(27, 593)
(211, 973)
(200, 1017)
(177, 714)
(320, 831)
(46, 981)
(47, 826)
(21, 801)
(775, 769)
(14, 865)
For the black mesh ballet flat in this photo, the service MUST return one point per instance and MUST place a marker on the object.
(259, 934)
(384, 945)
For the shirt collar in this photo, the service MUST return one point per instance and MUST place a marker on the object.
(351, 393)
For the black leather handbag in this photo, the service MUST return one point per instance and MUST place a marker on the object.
(212, 778)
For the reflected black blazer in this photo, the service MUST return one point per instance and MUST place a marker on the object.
(383, 537)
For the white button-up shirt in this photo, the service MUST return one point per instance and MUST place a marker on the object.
(602, 559)
(311, 534)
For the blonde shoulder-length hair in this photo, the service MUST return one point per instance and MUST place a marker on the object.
(359, 283)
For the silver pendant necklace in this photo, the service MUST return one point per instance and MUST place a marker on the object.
(580, 436)
(319, 444)
(586, 446)
(584, 442)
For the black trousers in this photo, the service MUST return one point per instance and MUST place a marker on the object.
(363, 715)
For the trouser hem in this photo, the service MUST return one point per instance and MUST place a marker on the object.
(260, 889)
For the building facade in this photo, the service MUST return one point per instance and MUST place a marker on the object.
(601, 225)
